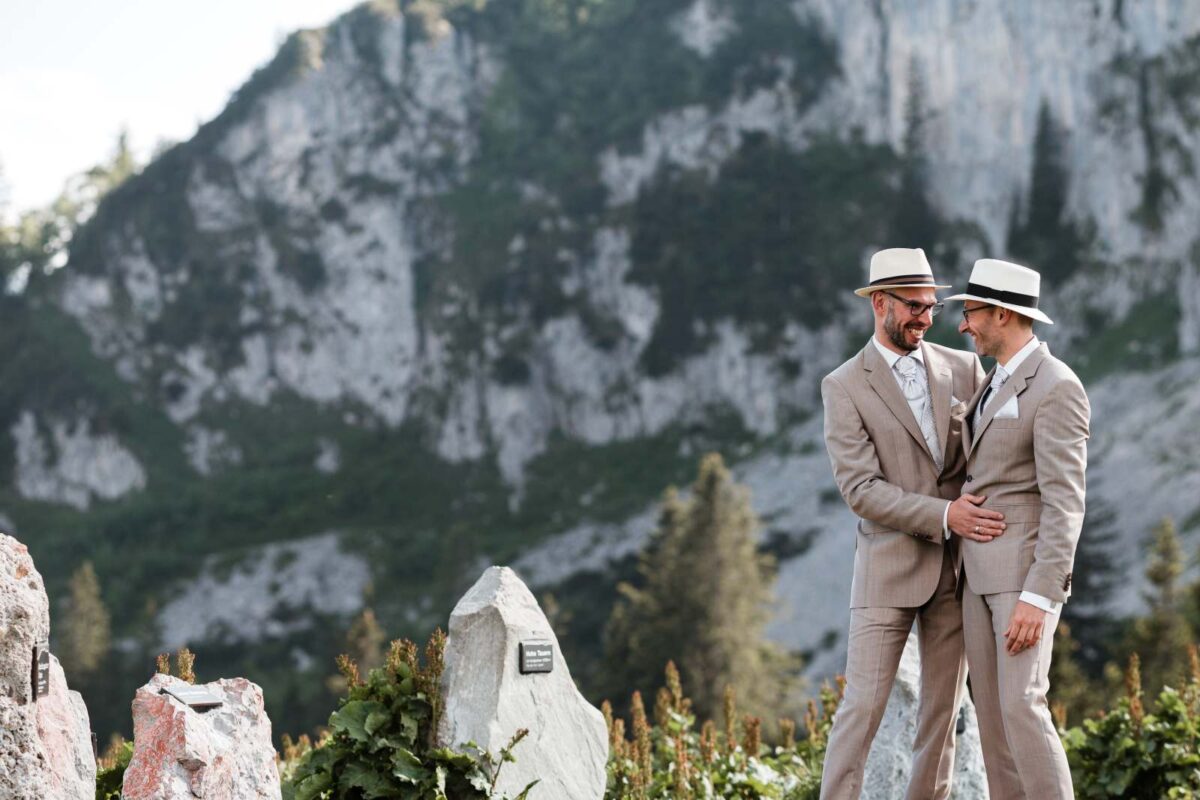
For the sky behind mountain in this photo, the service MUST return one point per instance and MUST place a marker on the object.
(73, 73)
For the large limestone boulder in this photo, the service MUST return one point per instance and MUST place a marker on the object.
(45, 743)
(181, 753)
(890, 759)
(488, 699)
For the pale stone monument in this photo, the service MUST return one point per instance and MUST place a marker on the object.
(504, 671)
(211, 741)
(45, 734)
(890, 760)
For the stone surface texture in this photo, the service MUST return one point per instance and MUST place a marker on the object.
(45, 744)
(890, 761)
(224, 753)
(488, 699)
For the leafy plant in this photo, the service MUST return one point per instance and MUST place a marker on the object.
(1130, 753)
(110, 769)
(381, 740)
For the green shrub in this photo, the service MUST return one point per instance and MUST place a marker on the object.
(1129, 753)
(110, 771)
(381, 744)
(672, 759)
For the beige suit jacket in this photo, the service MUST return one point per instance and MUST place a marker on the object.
(887, 475)
(1032, 469)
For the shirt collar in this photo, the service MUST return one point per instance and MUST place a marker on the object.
(891, 356)
(1020, 356)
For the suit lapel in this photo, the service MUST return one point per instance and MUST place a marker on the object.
(884, 383)
(969, 419)
(941, 382)
(1013, 387)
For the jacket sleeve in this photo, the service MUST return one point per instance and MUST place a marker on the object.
(1060, 434)
(860, 478)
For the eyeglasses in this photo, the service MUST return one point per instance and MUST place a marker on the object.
(967, 311)
(915, 308)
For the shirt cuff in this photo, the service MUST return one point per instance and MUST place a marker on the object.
(1043, 603)
(946, 521)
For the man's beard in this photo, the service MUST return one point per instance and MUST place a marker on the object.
(895, 331)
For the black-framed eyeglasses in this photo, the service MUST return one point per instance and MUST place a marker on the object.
(915, 308)
(967, 311)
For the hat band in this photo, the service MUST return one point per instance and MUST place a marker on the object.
(916, 279)
(1017, 299)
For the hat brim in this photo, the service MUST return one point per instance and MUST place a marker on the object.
(867, 291)
(1032, 313)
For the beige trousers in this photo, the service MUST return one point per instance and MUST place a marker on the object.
(1021, 749)
(877, 638)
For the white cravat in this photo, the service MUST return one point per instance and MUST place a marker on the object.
(915, 384)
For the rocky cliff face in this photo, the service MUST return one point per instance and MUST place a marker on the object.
(502, 263)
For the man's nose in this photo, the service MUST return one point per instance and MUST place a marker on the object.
(962, 326)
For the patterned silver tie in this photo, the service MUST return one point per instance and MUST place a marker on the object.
(999, 378)
(916, 388)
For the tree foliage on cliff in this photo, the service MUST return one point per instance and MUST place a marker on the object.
(703, 599)
(86, 627)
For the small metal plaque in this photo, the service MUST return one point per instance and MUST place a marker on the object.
(41, 670)
(536, 656)
(197, 697)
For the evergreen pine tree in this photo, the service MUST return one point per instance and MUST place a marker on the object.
(366, 640)
(1095, 575)
(1073, 695)
(1162, 636)
(703, 601)
(917, 223)
(364, 647)
(1044, 236)
(86, 627)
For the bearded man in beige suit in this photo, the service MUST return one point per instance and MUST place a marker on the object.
(1025, 441)
(895, 446)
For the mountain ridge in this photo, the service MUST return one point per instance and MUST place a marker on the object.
(460, 283)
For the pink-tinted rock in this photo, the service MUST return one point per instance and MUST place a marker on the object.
(45, 744)
(223, 753)
(66, 734)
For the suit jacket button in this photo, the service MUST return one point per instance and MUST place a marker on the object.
(969, 479)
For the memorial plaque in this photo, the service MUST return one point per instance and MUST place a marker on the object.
(536, 656)
(40, 678)
(197, 697)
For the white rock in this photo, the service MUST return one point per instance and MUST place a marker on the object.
(208, 450)
(223, 753)
(45, 744)
(329, 456)
(488, 699)
(273, 591)
(86, 467)
(890, 760)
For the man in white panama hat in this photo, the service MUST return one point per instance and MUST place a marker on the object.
(1025, 441)
(893, 430)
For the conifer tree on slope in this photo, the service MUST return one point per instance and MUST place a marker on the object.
(702, 599)
(86, 627)
(1161, 637)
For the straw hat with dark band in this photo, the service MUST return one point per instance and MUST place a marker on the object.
(1004, 284)
(899, 268)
